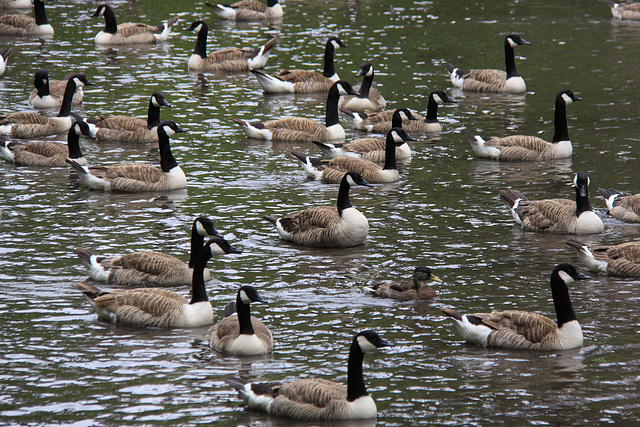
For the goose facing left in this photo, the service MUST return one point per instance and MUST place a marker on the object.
(621, 260)
(136, 176)
(416, 289)
(629, 11)
(23, 25)
(315, 399)
(241, 333)
(230, 59)
(527, 330)
(153, 268)
(248, 10)
(4, 55)
(49, 93)
(157, 307)
(556, 215)
(341, 226)
(130, 32)
(369, 98)
(48, 153)
(623, 207)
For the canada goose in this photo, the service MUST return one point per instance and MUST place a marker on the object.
(231, 59)
(315, 399)
(342, 226)
(4, 55)
(248, 10)
(417, 289)
(526, 330)
(492, 80)
(373, 149)
(242, 334)
(23, 25)
(300, 129)
(49, 93)
(630, 11)
(136, 176)
(31, 125)
(556, 215)
(48, 153)
(130, 33)
(621, 260)
(15, 4)
(157, 307)
(332, 171)
(303, 81)
(625, 208)
(152, 268)
(369, 98)
(531, 148)
(133, 129)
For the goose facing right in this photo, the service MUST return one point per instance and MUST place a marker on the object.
(130, 32)
(496, 81)
(315, 399)
(621, 260)
(241, 333)
(529, 148)
(556, 215)
(23, 25)
(630, 11)
(527, 330)
(369, 98)
(4, 55)
(248, 10)
(623, 207)
(136, 176)
(416, 289)
(157, 307)
(341, 226)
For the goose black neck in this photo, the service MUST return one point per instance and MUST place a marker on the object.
(329, 68)
(69, 90)
(432, 111)
(38, 10)
(110, 24)
(365, 87)
(561, 300)
(390, 153)
(510, 60)
(201, 42)
(167, 161)
(355, 380)
(43, 88)
(197, 241)
(561, 130)
(153, 114)
(331, 114)
(343, 195)
(73, 143)
(198, 292)
(396, 119)
(244, 316)
(582, 200)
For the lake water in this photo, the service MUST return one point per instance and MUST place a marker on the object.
(59, 365)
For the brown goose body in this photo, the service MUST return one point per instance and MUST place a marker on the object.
(130, 32)
(369, 97)
(49, 93)
(623, 207)
(24, 25)
(416, 289)
(248, 10)
(629, 11)
(621, 260)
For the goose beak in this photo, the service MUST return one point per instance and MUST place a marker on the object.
(410, 138)
(234, 250)
(164, 103)
(385, 343)
(179, 129)
(583, 189)
(90, 134)
(582, 276)
(576, 98)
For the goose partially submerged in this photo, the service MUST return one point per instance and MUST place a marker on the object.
(341, 226)
(629, 11)
(248, 10)
(623, 207)
(314, 399)
(526, 330)
(556, 215)
(157, 307)
(130, 32)
(416, 289)
(621, 260)
(488, 80)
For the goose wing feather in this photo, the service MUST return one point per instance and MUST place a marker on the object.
(626, 208)
(16, 24)
(122, 123)
(547, 215)
(141, 307)
(130, 29)
(519, 328)
(24, 118)
(57, 88)
(139, 134)
(315, 391)
(212, 64)
(40, 153)
(251, 5)
(622, 260)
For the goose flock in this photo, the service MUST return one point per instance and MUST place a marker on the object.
(141, 297)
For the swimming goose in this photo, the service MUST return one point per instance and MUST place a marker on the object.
(4, 55)
(130, 32)
(231, 59)
(492, 80)
(152, 268)
(417, 289)
(369, 98)
(23, 25)
(137, 176)
(31, 125)
(332, 171)
(49, 93)
(625, 208)
(248, 10)
(529, 148)
(630, 11)
(621, 260)
(303, 81)
(315, 399)
(301, 129)
(157, 307)
(367, 120)
(15, 4)
(556, 215)
(242, 334)
(133, 129)
(373, 149)
(48, 153)
(526, 330)
(326, 226)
